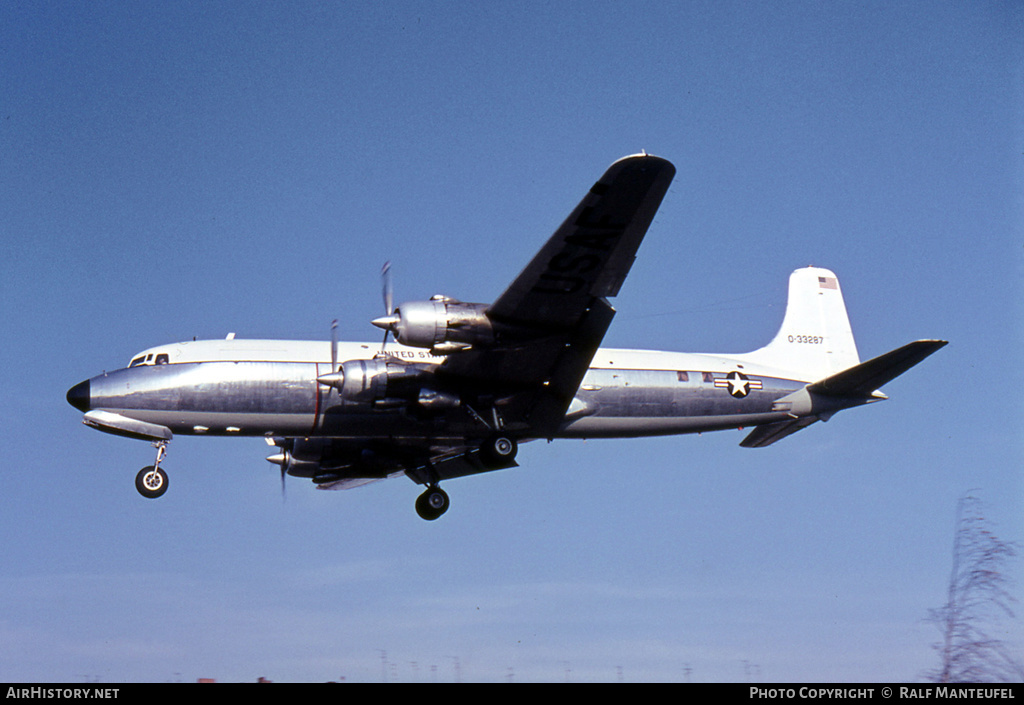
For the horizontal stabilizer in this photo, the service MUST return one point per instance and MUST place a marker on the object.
(853, 386)
(768, 433)
(865, 378)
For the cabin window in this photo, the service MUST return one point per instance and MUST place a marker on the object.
(682, 376)
(708, 377)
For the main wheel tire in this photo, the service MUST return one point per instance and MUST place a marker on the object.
(498, 451)
(432, 503)
(151, 482)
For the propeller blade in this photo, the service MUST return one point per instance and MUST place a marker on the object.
(389, 294)
(334, 345)
(282, 460)
(389, 303)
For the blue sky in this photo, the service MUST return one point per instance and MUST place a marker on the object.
(186, 169)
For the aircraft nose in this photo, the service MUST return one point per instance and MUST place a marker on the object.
(80, 396)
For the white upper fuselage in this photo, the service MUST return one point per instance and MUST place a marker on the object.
(312, 351)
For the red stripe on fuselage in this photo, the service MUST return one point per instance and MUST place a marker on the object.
(316, 412)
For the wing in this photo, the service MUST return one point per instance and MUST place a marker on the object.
(551, 319)
(547, 324)
(445, 465)
(344, 463)
(590, 255)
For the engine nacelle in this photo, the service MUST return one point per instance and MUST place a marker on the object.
(297, 457)
(294, 466)
(320, 459)
(375, 381)
(384, 382)
(441, 324)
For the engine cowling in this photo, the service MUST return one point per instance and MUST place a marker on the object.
(323, 460)
(374, 381)
(384, 382)
(441, 324)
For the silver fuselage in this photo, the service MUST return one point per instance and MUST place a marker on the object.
(270, 388)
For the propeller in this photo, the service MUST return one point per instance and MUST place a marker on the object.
(389, 305)
(334, 377)
(281, 460)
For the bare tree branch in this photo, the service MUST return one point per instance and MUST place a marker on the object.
(977, 597)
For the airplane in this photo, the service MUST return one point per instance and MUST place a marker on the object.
(464, 384)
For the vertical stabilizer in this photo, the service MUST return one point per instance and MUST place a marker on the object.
(815, 339)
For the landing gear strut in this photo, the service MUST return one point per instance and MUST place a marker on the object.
(432, 503)
(151, 482)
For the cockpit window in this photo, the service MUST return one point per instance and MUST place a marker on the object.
(161, 359)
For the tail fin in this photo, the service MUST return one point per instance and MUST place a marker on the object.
(815, 339)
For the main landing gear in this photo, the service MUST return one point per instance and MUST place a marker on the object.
(151, 482)
(432, 503)
(498, 451)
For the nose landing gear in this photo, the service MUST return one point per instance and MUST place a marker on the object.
(151, 482)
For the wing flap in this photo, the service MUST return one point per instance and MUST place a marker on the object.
(348, 483)
(466, 464)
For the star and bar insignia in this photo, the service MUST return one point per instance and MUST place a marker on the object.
(738, 384)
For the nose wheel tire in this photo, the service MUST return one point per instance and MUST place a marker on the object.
(151, 482)
(432, 503)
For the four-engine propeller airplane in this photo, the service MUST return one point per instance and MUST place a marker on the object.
(466, 383)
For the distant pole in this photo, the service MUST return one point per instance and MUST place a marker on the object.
(458, 668)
